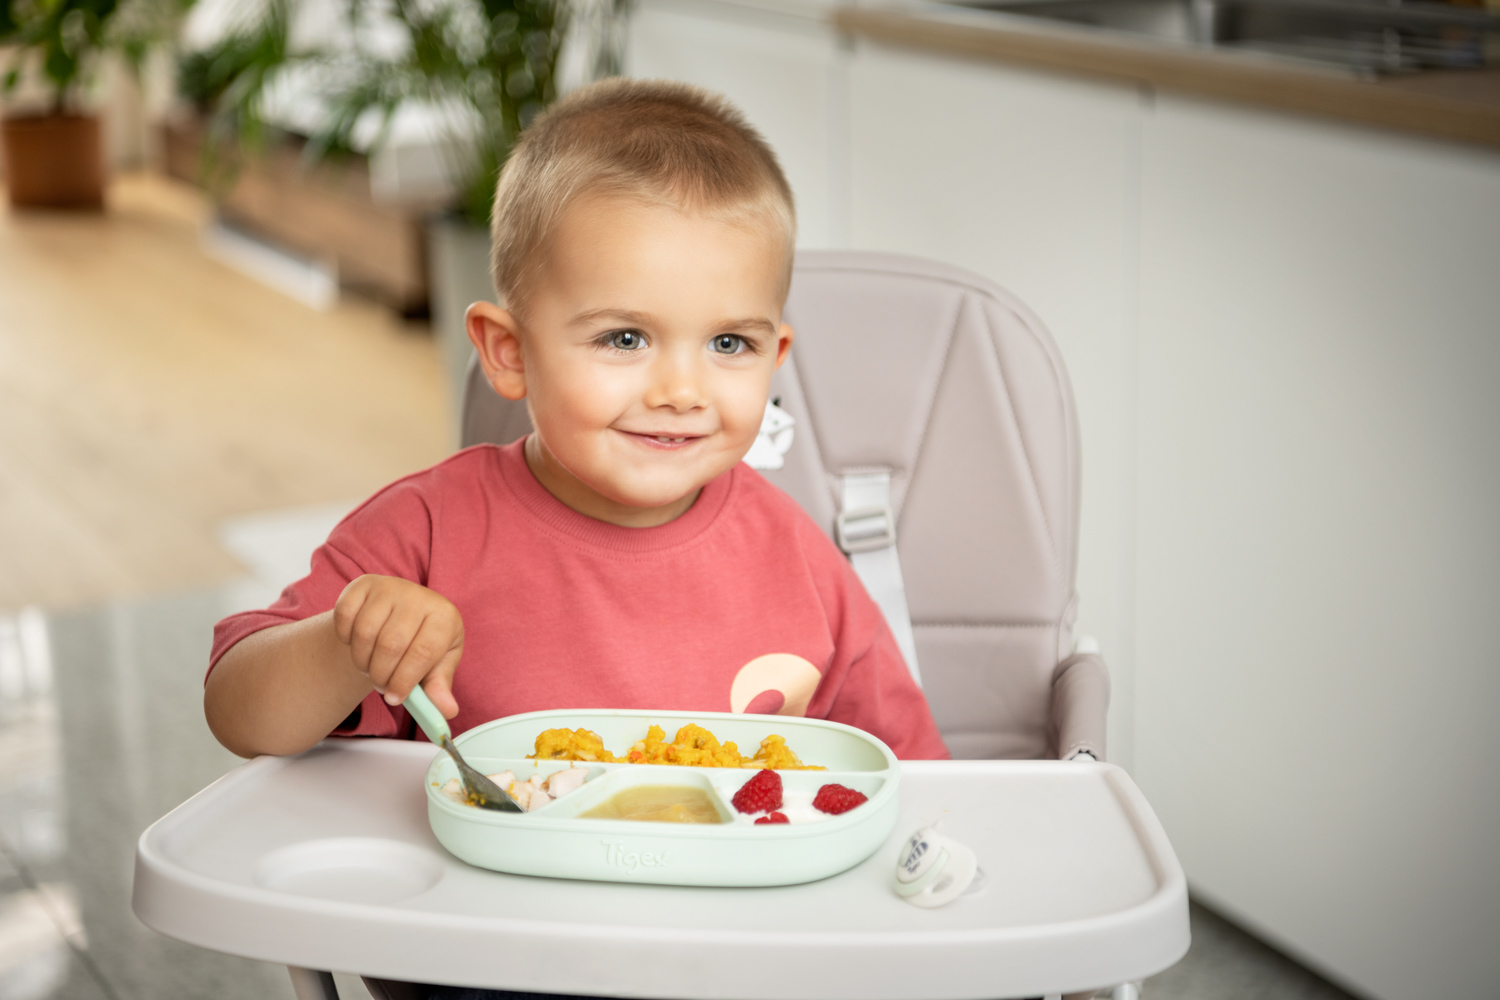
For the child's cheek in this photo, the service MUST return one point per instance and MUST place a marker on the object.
(583, 398)
(743, 406)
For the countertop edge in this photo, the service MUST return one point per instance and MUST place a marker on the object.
(1122, 60)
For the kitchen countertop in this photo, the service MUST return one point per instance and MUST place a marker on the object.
(1461, 105)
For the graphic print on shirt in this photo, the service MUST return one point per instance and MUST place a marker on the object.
(774, 684)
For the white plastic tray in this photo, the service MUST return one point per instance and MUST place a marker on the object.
(326, 861)
(554, 842)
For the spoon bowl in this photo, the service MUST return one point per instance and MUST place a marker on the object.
(478, 789)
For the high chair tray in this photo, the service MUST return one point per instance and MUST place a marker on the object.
(555, 841)
(326, 860)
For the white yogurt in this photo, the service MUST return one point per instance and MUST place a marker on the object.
(797, 807)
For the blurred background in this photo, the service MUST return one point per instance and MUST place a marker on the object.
(239, 236)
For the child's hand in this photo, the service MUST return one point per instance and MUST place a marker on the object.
(401, 634)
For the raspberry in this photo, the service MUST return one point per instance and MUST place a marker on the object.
(835, 799)
(772, 818)
(761, 793)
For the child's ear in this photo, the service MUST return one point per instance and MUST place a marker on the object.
(497, 338)
(783, 343)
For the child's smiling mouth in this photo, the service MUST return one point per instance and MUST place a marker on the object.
(664, 442)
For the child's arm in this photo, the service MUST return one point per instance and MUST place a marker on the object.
(282, 689)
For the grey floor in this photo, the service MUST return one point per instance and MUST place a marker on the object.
(101, 732)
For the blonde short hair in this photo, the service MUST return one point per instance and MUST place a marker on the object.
(663, 142)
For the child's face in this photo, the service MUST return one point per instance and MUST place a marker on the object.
(646, 354)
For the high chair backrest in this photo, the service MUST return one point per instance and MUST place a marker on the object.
(954, 389)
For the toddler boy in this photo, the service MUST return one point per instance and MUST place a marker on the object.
(620, 556)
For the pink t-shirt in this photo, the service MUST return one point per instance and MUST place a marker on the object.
(741, 604)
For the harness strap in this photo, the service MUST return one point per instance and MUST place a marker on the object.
(866, 530)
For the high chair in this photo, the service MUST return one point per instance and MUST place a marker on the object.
(925, 421)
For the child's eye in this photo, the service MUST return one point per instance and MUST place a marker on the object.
(729, 343)
(626, 340)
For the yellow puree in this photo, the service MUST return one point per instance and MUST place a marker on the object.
(693, 746)
(658, 804)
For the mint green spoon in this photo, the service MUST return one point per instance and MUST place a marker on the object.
(478, 789)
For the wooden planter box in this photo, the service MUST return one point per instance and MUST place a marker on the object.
(325, 212)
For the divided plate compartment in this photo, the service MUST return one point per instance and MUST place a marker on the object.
(556, 841)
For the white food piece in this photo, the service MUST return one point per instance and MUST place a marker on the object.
(538, 799)
(531, 794)
(521, 792)
(563, 782)
(535, 797)
(506, 781)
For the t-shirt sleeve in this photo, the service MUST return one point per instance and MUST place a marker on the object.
(390, 534)
(867, 685)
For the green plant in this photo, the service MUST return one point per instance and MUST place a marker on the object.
(240, 61)
(488, 65)
(226, 83)
(65, 38)
(485, 67)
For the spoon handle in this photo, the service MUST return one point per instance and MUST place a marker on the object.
(428, 717)
(480, 789)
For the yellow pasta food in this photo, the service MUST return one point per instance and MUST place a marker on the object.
(572, 744)
(693, 746)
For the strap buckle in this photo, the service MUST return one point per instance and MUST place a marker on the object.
(865, 529)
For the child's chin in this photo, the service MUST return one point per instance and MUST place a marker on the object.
(651, 499)
(654, 492)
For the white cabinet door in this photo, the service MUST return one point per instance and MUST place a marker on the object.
(1029, 180)
(784, 71)
(1318, 667)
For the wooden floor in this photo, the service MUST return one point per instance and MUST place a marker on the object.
(147, 393)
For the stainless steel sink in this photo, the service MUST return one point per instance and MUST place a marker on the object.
(1366, 36)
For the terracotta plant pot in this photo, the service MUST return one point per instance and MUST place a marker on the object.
(54, 161)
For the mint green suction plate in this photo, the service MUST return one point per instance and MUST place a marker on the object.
(555, 841)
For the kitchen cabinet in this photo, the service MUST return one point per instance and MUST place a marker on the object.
(1317, 540)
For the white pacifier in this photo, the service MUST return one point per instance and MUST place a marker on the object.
(933, 870)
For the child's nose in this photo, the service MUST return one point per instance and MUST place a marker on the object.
(677, 383)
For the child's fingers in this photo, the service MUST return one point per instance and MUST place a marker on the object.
(391, 649)
(365, 634)
(347, 608)
(424, 647)
(439, 682)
